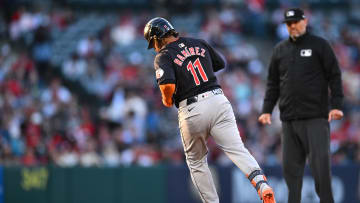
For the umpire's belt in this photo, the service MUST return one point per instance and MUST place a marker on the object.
(200, 97)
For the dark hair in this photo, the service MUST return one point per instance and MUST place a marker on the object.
(171, 33)
(168, 34)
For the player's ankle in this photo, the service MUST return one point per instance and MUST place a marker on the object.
(259, 181)
(264, 187)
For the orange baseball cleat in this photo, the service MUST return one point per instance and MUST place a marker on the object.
(267, 194)
(259, 181)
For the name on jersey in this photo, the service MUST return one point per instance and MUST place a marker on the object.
(187, 52)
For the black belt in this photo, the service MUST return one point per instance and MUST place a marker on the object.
(191, 100)
(196, 98)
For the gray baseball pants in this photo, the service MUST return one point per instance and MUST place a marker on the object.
(211, 115)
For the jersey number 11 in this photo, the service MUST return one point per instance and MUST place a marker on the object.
(191, 67)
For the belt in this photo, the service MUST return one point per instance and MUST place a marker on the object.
(200, 97)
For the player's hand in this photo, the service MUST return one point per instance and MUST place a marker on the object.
(265, 118)
(335, 114)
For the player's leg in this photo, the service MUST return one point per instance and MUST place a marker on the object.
(318, 135)
(226, 135)
(194, 134)
(294, 157)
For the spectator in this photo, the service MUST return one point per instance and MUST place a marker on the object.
(48, 116)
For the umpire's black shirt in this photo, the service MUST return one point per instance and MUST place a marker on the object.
(300, 74)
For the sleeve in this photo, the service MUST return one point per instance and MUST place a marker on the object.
(217, 60)
(164, 71)
(272, 85)
(333, 76)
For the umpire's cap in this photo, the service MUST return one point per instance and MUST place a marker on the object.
(293, 14)
(157, 28)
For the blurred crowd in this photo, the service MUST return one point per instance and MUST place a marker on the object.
(43, 121)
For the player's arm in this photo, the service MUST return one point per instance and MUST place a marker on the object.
(167, 91)
(165, 77)
(217, 60)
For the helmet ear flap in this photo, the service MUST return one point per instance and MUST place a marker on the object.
(153, 35)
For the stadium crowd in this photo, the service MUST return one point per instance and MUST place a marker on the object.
(43, 121)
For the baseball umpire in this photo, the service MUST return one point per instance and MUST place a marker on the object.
(301, 71)
(185, 74)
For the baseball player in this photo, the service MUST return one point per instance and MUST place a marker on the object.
(185, 74)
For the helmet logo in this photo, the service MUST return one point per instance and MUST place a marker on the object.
(166, 27)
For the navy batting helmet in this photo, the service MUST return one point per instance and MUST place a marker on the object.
(157, 28)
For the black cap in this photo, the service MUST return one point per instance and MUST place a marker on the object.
(293, 14)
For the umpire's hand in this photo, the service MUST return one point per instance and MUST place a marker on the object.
(335, 114)
(265, 118)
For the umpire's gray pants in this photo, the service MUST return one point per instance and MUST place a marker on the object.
(212, 116)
